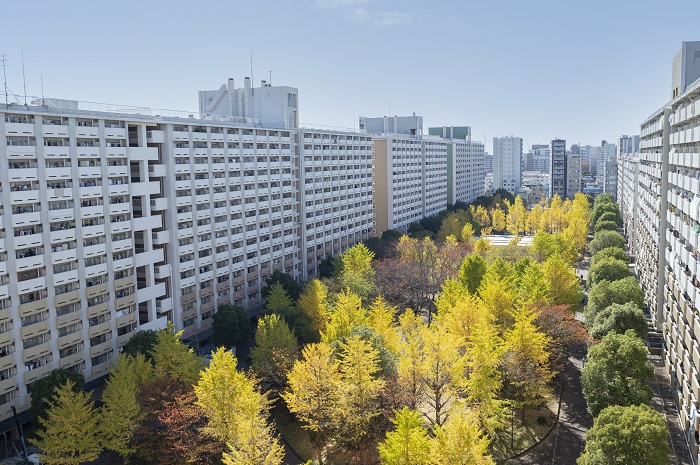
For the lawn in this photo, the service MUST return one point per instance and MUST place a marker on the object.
(537, 424)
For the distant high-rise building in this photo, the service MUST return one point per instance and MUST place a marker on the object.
(607, 168)
(589, 156)
(627, 145)
(541, 158)
(507, 163)
(573, 174)
(452, 132)
(529, 161)
(488, 162)
(558, 169)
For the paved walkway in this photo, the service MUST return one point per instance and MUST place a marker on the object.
(663, 403)
(567, 441)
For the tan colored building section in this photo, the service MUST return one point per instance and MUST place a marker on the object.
(380, 172)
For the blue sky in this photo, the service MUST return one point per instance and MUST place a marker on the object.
(538, 69)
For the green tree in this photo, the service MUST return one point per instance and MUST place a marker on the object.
(619, 318)
(346, 313)
(173, 359)
(609, 252)
(608, 269)
(68, 433)
(604, 239)
(441, 367)
(467, 234)
(290, 285)
(605, 226)
(277, 298)
(121, 412)
(359, 366)
(237, 413)
(633, 434)
(298, 321)
(616, 372)
(472, 271)
(563, 286)
(141, 343)
(484, 379)
(231, 326)
(600, 208)
(543, 246)
(314, 302)
(44, 388)
(606, 293)
(534, 288)
(410, 366)
(460, 441)
(275, 351)
(358, 274)
(608, 216)
(517, 217)
(498, 219)
(527, 360)
(408, 443)
(315, 394)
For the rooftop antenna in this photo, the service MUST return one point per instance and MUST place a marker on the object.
(270, 76)
(4, 73)
(24, 80)
(42, 88)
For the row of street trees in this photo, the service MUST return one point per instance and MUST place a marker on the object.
(617, 369)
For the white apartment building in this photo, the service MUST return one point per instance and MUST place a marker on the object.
(573, 174)
(558, 184)
(507, 163)
(465, 170)
(659, 192)
(465, 163)
(607, 168)
(410, 179)
(114, 222)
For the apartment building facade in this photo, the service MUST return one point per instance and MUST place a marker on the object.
(573, 174)
(558, 169)
(659, 192)
(115, 222)
(465, 163)
(507, 163)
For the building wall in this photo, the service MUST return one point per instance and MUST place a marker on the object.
(659, 193)
(114, 223)
(558, 169)
(382, 175)
(573, 175)
(507, 163)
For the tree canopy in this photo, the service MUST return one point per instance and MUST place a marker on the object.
(604, 239)
(630, 434)
(231, 326)
(608, 269)
(619, 318)
(616, 372)
(605, 293)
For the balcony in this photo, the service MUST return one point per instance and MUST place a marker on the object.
(115, 133)
(90, 192)
(92, 231)
(161, 271)
(145, 188)
(23, 174)
(119, 208)
(36, 373)
(95, 270)
(19, 129)
(66, 277)
(118, 246)
(70, 339)
(25, 219)
(67, 298)
(68, 319)
(123, 302)
(118, 170)
(98, 330)
(86, 132)
(32, 307)
(96, 289)
(88, 152)
(71, 360)
(59, 194)
(89, 172)
(97, 310)
(29, 263)
(119, 189)
(159, 204)
(163, 306)
(126, 320)
(123, 282)
(157, 171)
(7, 361)
(35, 329)
(21, 151)
(155, 137)
(29, 196)
(58, 173)
(101, 348)
(54, 130)
(143, 153)
(31, 285)
(93, 211)
(122, 264)
(160, 237)
(64, 214)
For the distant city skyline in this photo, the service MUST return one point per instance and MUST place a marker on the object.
(489, 66)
